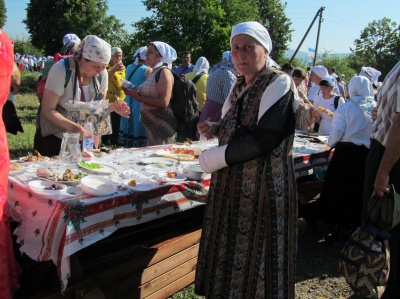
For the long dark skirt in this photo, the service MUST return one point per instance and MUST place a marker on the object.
(341, 199)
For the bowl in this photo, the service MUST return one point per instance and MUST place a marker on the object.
(193, 172)
(97, 186)
(46, 188)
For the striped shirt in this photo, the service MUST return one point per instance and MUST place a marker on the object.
(388, 106)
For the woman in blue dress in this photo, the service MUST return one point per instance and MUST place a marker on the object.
(132, 132)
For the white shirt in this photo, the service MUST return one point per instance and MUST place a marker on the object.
(350, 124)
(325, 124)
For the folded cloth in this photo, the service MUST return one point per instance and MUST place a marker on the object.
(213, 159)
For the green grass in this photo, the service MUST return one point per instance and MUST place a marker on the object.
(21, 144)
(26, 104)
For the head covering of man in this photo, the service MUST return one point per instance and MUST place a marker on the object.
(140, 54)
(256, 31)
(202, 65)
(361, 92)
(95, 49)
(320, 71)
(115, 50)
(167, 53)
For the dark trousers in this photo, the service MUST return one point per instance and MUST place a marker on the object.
(112, 139)
(47, 146)
(392, 290)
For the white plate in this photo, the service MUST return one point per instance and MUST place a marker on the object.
(22, 159)
(24, 167)
(130, 173)
(179, 176)
(38, 186)
(98, 186)
(145, 186)
(158, 161)
(106, 168)
(74, 171)
(155, 168)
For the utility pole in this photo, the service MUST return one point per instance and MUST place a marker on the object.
(319, 13)
(319, 29)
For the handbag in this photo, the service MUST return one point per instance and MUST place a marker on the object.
(11, 119)
(364, 260)
(384, 211)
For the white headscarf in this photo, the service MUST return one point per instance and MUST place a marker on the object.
(71, 37)
(140, 54)
(202, 65)
(361, 92)
(115, 50)
(256, 31)
(96, 49)
(320, 71)
(168, 54)
(371, 73)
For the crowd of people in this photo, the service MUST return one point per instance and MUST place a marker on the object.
(253, 107)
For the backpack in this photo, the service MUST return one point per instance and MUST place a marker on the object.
(42, 81)
(364, 260)
(183, 100)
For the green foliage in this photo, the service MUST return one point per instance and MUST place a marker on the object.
(272, 15)
(341, 64)
(48, 21)
(3, 16)
(23, 45)
(199, 26)
(378, 46)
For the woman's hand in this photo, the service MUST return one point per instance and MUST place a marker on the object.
(120, 107)
(316, 115)
(117, 67)
(207, 128)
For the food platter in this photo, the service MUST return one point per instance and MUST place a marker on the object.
(144, 186)
(178, 178)
(98, 167)
(158, 161)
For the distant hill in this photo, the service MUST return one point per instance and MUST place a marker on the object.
(304, 55)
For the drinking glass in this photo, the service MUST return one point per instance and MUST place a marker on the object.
(70, 152)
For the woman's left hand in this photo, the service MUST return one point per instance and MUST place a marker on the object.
(120, 107)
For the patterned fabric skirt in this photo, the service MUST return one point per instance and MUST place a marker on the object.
(249, 236)
(160, 124)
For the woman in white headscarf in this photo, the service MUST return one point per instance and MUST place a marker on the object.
(341, 200)
(88, 82)
(155, 94)
(248, 241)
(132, 133)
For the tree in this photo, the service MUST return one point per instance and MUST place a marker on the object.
(200, 26)
(24, 46)
(48, 21)
(378, 46)
(272, 15)
(3, 16)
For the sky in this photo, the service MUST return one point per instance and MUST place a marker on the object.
(343, 20)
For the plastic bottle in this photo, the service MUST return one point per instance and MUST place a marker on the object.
(87, 142)
(128, 85)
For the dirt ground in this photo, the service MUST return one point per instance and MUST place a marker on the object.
(317, 269)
